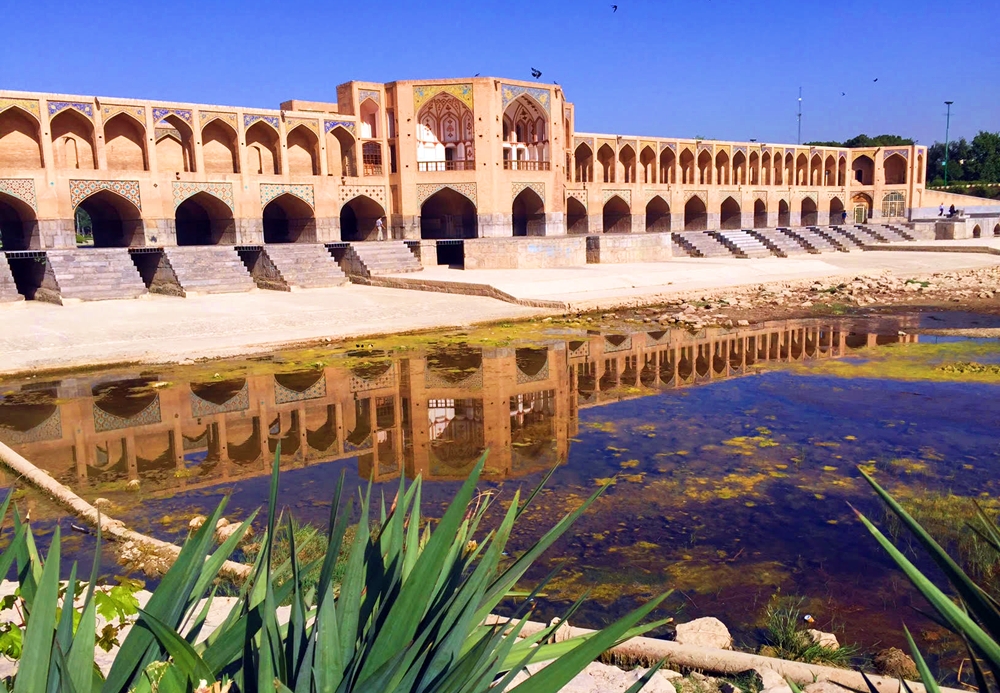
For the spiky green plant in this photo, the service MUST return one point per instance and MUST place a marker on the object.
(408, 615)
(971, 612)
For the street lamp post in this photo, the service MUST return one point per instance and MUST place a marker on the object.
(947, 127)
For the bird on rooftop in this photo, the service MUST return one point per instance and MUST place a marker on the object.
(536, 73)
(614, 8)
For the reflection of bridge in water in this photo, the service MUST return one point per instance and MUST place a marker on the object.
(432, 414)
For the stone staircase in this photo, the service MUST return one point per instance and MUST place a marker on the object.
(779, 243)
(812, 241)
(864, 234)
(916, 232)
(886, 233)
(699, 244)
(742, 244)
(208, 269)
(8, 289)
(842, 241)
(380, 257)
(305, 266)
(95, 274)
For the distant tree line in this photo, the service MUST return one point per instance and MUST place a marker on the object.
(973, 167)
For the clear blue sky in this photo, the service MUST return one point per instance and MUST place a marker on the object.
(723, 69)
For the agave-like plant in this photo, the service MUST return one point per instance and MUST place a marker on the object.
(975, 618)
(408, 615)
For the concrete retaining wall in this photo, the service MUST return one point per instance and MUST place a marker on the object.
(621, 248)
(525, 253)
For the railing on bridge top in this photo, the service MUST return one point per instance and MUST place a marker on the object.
(464, 165)
(525, 165)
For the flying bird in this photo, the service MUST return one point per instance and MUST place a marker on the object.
(536, 73)
(876, 79)
(843, 93)
(476, 75)
(614, 8)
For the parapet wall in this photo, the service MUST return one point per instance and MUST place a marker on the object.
(624, 248)
(525, 253)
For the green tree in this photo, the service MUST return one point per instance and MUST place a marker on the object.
(863, 140)
(986, 156)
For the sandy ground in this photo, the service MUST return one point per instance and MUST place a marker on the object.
(158, 329)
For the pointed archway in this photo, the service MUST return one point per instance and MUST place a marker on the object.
(18, 225)
(20, 143)
(837, 212)
(448, 214)
(759, 214)
(114, 222)
(617, 216)
(204, 219)
(784, 216)
(358, 217)
(809, 216)
(528, 214)
(730, 216)
(657, 215)
(289, 219)
(576, 217)
(695, 215)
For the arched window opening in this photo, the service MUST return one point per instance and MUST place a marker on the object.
(627, 158)
(920, 169)
(340, 154)
(20, 144)
(218, 148)
(816, 170)
(606, 157)
(371, 158)
(369, 119)
(801, 170)
(722, 168)
(528, 214)
(174, 145)
(808, 213)
(836, 211)
(784, 216)
(864, 169)
(687, 167)
(358, 219)
(617, 217)
(894, 169)
(125, 144)
(289, 219)
(584, 164)
(18, 225)
(262, 138)
(445, 135)
(862, 207)
(204, 219)
(830, 172)
(753, 170)
(73, 140)
(977, 232)
(526, 139)
(695, 215)
(303, 152)
(842, 172)
(759, 214)
(739, 168)
(705, 168)
(668, 166)
(765, 169)
(647, 161)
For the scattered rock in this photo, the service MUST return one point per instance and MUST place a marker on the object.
(771, 681)
(196, 522)
(102, 503)
(897, 664)
(743, 323)
(134, 485)
(828, 640)
(705, 632)
(824, 687)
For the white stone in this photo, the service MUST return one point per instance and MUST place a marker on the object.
(705, 632)
(828, 640)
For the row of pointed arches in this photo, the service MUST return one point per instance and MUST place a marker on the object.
(128, 147)
(626, 166)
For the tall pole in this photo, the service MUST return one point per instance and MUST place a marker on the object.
(798, 140)
(947, 127)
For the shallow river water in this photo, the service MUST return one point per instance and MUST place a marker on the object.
(731, 455)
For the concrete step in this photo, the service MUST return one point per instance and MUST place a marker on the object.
(813, 241)
(94, 274)
(700, 244)
(741, 243)
(208, 269)
(380, 257)
(8, 289)
(305, 266)
(780, 244)
(841, 241)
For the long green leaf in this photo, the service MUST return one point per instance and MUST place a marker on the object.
(637, 686)
(925, 672)
(33, 671)
(940, 601)
(967, 589)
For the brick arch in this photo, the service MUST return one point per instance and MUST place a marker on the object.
(6, 107)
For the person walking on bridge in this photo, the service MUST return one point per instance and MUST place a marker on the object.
(378, 227)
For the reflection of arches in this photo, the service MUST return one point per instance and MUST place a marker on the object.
(657, 215)
(576, 217)
(73, 140)
(18, 225)
(262, 149)
(115, 221)
(303, 152)
(894, 170)
(864, 169)
(584, 163)
(124, 398)
(759, 214)
(531, 362)
(288, 219)
(299, 381)
(20, 143)
(341, 160)
(454, 363)
(695, 215)
(125, 143)
(448, 214)
(809, 215)
(729, 214)
(528, 214)
(204, 219)
(617, 218)
(784, 217)
(358, 217)
(174, 145)
(218, 148)
(218, 392)
(856, 341)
